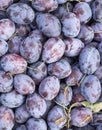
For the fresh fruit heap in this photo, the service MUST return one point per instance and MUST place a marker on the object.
(50, 64)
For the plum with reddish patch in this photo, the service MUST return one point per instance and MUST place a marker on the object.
(49, 87)
(13, 63)
(48, 24)
(91, 88)
(81, 116)
(7, 28)
(6, 118)
(23, 84)
(21, 13)
(36, 105)
(53, 50)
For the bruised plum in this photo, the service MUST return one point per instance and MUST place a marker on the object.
(21, 13)
(73, 46)
(48, 24)
(36, 105)
(6, 118)
(23, 84)
(49, 87)
(13, 63)
(91, 88)
(7, 28)
(83, 12)
(53, 50)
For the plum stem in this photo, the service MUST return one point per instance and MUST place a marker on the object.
(79, 83)
(13, 35)
(36, 68)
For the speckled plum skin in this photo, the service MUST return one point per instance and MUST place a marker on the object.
(21, 114)
(83, 12)
(67, 21)
(6, 82)
(21, 13)
(53, 50)
(4, 4)
(13, 63)
(96, 10)
(48, 24)
(86, 34)
(73, 46)
(6, 118)
(36, 124)
(12, 99)
(78, 116)
(38, 71)
(23, 84)
(36, 105)
(37, 34)
(3, 47)
(60, 69)
(91, 88)
(89, 60)
(74, 77)
(45, 5)
(64, 99)
(54, 114)
(30, 49)
(7, 28)
(97, 27)
(49, 87)
(14, 44)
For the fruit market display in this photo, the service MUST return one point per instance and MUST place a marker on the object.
(50, 64)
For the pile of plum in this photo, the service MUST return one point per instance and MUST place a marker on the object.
(50, 64)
